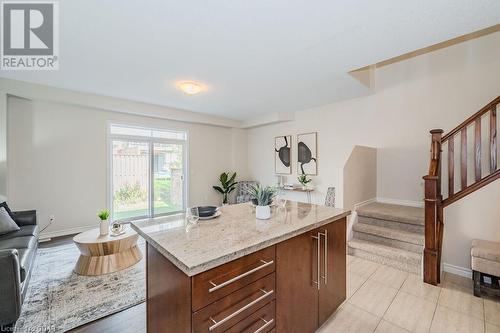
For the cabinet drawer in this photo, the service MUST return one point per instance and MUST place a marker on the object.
(261, 321)
(218, 282)
(228, 311)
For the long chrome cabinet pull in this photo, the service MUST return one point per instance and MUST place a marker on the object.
(240, 310)
(325, 277)
(318, 238)
(267, 324)
(236, 278)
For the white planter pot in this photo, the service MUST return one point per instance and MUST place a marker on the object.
(104, 227)
(263, 212)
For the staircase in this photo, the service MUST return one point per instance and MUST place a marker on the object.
(389, 234)
(437, 177)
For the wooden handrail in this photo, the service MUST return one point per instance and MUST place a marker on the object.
(471, 119)
(472, 188)
(434, 202)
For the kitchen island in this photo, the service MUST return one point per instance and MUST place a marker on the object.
(239, 274)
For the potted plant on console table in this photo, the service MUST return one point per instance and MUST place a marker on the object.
(263, 197)
(303, 180)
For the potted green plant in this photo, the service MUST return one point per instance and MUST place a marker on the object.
(304, 181)
(264, 197)
(227, 186)
(104, 223)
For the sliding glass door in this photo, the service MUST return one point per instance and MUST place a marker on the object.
(168, 179)
(147, 173)
(131, 184)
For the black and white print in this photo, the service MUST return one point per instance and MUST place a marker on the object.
(307, 154)
(282, 154)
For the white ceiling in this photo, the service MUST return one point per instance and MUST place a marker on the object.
(256, 57)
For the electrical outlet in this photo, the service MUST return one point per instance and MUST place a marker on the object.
(52, 218)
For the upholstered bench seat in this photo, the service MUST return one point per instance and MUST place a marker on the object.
(485, 261)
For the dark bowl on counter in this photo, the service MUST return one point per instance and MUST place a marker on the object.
(206, 211)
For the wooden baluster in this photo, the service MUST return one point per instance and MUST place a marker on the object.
(493, 139)
(451, 166)
(477, 148)
(463, 157)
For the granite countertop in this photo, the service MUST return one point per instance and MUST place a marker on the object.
(234, 234)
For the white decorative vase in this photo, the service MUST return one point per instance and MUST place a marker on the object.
(263, 212)
(104, 227)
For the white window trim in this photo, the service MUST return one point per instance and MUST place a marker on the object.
(150, 140)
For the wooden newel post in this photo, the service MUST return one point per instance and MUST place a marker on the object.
(433, 213)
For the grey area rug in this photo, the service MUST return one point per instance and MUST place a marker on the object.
(59, 300)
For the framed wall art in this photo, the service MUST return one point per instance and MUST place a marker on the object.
(307, 154)
(283, 155)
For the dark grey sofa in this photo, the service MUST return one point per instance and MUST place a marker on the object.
(17, 255)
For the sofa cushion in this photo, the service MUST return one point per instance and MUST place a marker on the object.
(27, 217)
(25, 230)
(18, 243)
(7, 224)
(25, 261)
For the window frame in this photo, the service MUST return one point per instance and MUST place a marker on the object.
(150, 141)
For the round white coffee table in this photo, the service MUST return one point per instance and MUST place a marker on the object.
(106, 254)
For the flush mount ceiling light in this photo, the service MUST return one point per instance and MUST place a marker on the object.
(190, 87)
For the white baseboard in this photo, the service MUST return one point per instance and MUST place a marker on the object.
(70, 231)
(362, 203)
(457, 270)
(419, 204)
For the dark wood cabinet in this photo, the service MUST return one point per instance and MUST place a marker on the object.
(168, 291)
(296, 271)
(291, 287)
(333, 285)
(229, 310)
(212, 285)
(310, 277)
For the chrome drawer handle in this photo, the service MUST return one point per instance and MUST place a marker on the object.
(318, 262)
(267, 324)
(237, 312)
(236, 278)
(325, 277)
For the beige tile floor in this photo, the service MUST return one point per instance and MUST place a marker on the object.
(385, 300)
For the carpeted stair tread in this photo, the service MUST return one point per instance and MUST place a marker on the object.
(386, 251)
(401, 265)
(390, 233)
(392, 224)
(391, 212)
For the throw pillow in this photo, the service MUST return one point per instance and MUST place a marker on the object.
(4, 205)
(7, 224)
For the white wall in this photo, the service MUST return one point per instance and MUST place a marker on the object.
(435, 90)
(477, 216)
(360, 176)
(57, 158)
(439, 89)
